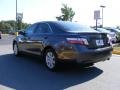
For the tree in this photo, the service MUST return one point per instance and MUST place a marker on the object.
(5, 27)
(12, 23)
(9, 26)
(67, 14)
(19, 24)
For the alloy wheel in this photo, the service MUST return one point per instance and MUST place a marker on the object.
(15, 49)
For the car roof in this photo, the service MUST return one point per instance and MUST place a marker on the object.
(55, 22)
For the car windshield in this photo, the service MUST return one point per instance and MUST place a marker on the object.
(74, 27)
(114, 30)
(103, 30)
(117, 30)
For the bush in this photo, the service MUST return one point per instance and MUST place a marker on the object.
(5, 31)
(118, 37)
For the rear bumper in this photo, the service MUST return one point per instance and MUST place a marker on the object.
(95, 56)
(89, 56)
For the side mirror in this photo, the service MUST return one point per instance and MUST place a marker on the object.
(21, 33)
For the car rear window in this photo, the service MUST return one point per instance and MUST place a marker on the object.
(74, 27)
(56, 28)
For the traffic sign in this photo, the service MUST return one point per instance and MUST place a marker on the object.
(97, 14)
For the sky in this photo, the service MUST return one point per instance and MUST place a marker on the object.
(46, 10)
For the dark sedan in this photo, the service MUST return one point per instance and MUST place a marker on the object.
(57, 41)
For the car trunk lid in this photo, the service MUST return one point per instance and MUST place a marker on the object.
(96, 40)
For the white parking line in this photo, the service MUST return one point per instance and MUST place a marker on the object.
(2, 87)
(5, 49)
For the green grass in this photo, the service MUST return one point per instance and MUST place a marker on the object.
(116, 48)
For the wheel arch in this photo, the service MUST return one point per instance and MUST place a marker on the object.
(46, 48)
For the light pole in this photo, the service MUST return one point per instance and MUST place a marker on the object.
(16, 15)
(102, 6)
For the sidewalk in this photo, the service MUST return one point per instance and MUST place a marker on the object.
(7, 49)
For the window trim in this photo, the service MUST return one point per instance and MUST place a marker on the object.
(50, 27)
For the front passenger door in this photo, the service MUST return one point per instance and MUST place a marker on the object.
(27, 38)
(40, 37)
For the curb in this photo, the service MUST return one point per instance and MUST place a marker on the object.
(116, 52)
(4, 34)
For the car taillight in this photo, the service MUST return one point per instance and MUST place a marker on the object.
(81, 41)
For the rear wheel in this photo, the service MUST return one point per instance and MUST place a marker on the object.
(50, 58)
(88, 65)
(16, 49)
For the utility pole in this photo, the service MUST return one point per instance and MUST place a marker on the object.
(96, 24)
(102, 6)
(16, 16)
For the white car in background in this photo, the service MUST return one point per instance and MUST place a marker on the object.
(116, 31)
(111, 35)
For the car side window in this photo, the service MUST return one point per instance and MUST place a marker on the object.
(30, 30)
(42, 28)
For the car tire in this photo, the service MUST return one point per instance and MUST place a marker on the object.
(88, 64)
(16, 49)
(51, 60)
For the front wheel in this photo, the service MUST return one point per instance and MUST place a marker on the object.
(50, 58)
(15, 49)
(88, 65)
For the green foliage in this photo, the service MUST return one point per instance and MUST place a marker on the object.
(10, 26)
(19, 25)
(118, 36)
(67, 14)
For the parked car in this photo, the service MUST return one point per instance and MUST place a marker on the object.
(0, 34)
(116, 31)
(111, 35)
(59, 41)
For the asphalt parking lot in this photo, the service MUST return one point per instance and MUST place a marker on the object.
(29, 73)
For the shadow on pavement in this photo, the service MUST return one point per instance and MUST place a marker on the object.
(27, 73)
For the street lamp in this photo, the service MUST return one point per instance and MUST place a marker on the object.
(102, 6)
(19, 17)
(16, 15)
